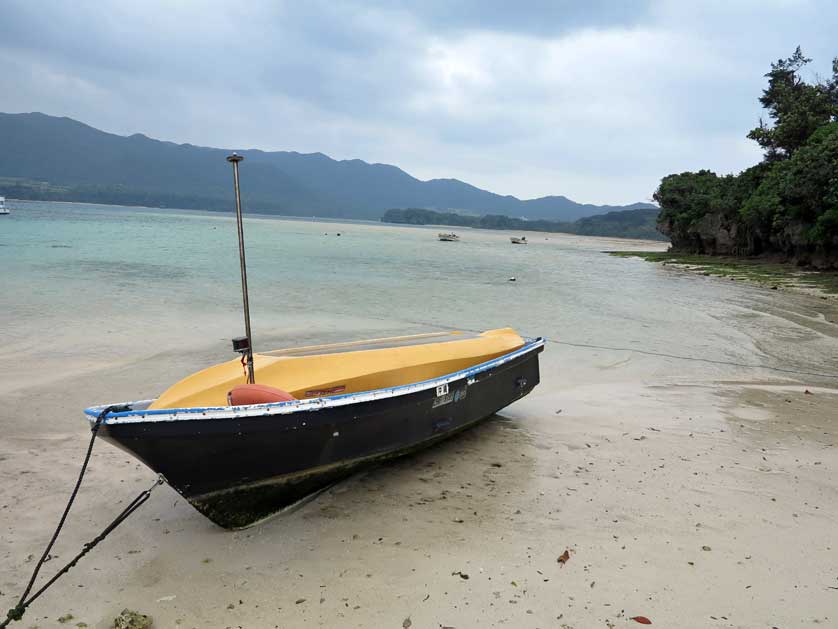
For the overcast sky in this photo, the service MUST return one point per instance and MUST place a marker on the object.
(594, 100)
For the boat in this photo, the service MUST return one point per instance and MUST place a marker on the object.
(518, 241)
(250, 437)
(452, 237)
(352, 405)
(3, 208)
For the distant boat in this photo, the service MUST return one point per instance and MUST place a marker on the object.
(449, 237)
(518, 241)
(3, 208)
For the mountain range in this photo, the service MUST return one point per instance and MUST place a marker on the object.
(53, 158)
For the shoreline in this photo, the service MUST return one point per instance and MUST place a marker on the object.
(208, 213)
(255, 214)
(758, 271)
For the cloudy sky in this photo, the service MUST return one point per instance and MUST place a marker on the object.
(594, 100)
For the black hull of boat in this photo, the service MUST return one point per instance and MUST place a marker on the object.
(237, 471)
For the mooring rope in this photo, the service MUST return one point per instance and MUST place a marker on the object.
(16, 613)
(647, 352)
(713, 361)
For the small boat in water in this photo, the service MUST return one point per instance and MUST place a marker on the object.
(336, 409)
(452, 237)
(240, 451)
(518, 241)
(3, 208)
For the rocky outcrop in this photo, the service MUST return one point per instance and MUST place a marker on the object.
(711, 235)
(715, 234)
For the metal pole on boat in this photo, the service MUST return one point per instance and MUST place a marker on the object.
(235, 159)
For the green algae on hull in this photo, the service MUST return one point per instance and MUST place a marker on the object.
(758, 271)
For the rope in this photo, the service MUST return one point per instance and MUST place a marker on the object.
(16, 613)
(697, 359)
(653, 353)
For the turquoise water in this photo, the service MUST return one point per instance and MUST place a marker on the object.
(88, 285)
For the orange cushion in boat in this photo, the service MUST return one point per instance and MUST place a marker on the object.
(243, 394)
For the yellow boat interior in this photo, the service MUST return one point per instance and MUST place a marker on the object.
(323, 370)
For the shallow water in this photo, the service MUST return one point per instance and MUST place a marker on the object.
(87, 285)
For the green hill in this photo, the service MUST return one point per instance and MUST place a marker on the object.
(622, 224)
(44, 157)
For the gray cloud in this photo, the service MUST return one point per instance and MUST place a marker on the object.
(596, 101)
(543, 18)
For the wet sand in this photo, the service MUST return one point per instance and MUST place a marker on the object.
(697, 503)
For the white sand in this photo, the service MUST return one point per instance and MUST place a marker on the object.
(632, 477)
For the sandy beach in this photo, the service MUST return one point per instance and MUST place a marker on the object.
(694, 494)
(705, 504)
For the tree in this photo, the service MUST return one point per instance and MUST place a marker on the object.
(796, 108)
(786, 204)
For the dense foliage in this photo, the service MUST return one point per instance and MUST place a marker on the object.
(622, 224)
(787, 204)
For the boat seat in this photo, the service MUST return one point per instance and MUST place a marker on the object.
(341, 368)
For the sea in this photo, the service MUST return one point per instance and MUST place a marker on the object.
(85, 287)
